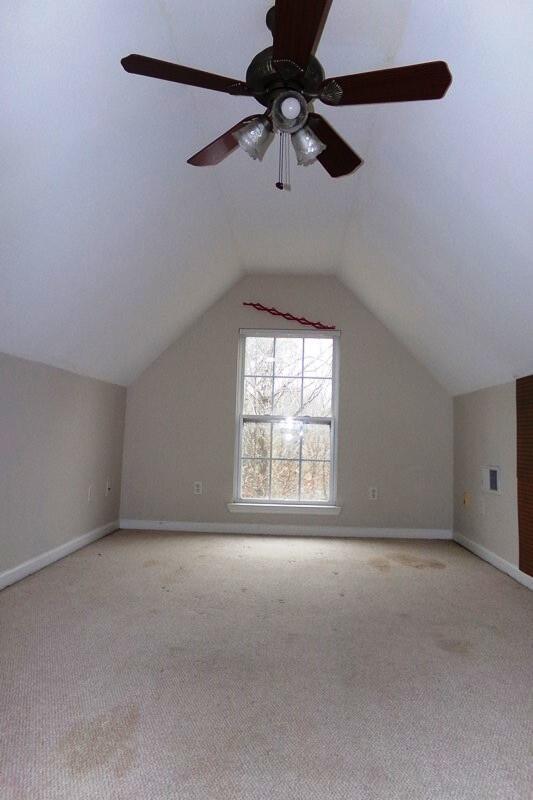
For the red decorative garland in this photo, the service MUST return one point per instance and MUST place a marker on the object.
(302, 320)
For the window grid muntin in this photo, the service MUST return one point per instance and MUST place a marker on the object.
(299, 378)
(305, 419)
(276, 458)
(271, 409)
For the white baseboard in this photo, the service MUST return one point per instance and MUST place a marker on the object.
(286, 530)
(44, 559)
(496, 561)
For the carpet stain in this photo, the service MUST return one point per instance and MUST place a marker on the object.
(490, 627)
(416, 562)
(106, 740)
(381, 564)
(462, 647)
(151, 562)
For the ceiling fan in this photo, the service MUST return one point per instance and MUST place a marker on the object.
(287, 78)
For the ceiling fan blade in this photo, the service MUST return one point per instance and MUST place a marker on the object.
(220, 148)
(338, 158)
(298, 26)
(166, 71)
(429, 81)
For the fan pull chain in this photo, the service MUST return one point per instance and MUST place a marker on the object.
(288, 161)
(284, 172)
(279, 184)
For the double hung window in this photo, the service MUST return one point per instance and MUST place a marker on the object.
(287, 420)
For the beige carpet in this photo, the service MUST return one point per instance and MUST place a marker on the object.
(151, 666)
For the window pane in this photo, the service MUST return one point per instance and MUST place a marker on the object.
(254, 479)
(256, 440)
(318, 358)
(259, 355)
(315, 480)
(257, 396)
(286, 439)
(289, 356)
(287, 396)
(317, 397)
(285, 480)
(316, 444)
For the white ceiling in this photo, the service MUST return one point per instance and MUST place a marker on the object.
(110, 244)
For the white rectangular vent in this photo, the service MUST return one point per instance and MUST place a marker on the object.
(491, 479)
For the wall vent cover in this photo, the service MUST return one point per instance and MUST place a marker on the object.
(491, 479)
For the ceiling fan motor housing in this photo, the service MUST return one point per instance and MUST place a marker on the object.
(266, 82)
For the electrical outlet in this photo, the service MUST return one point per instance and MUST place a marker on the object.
(90, 493)
(373, 493)
(107, 487)
(467, 498)
(198, 487)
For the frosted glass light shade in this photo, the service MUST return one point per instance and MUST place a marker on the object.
(307, 146)
(256, 137)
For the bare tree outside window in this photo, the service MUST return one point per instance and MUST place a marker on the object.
(287, 418)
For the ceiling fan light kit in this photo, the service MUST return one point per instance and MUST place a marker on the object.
(289, 111)
(286, 79)
(256, 137)
(307, 146)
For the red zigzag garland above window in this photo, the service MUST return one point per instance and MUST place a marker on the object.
(301, 320)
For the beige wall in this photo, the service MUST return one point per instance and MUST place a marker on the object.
(395, 429)
(485, 435)
(59, 433)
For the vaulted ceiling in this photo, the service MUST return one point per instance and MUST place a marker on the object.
(110, 244)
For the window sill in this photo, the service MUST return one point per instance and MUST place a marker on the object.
(282, 508)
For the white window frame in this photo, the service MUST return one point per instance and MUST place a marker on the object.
(238, 502)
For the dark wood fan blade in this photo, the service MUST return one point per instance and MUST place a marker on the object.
(220, 148)
(338, 158)
(428, 81)
(298, 26)
(166, 71)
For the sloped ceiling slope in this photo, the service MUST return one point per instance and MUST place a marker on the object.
(110, 244)
(440, 245)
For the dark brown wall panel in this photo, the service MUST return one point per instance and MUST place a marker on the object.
(524, 421)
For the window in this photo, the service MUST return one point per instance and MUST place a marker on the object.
(286, 406)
